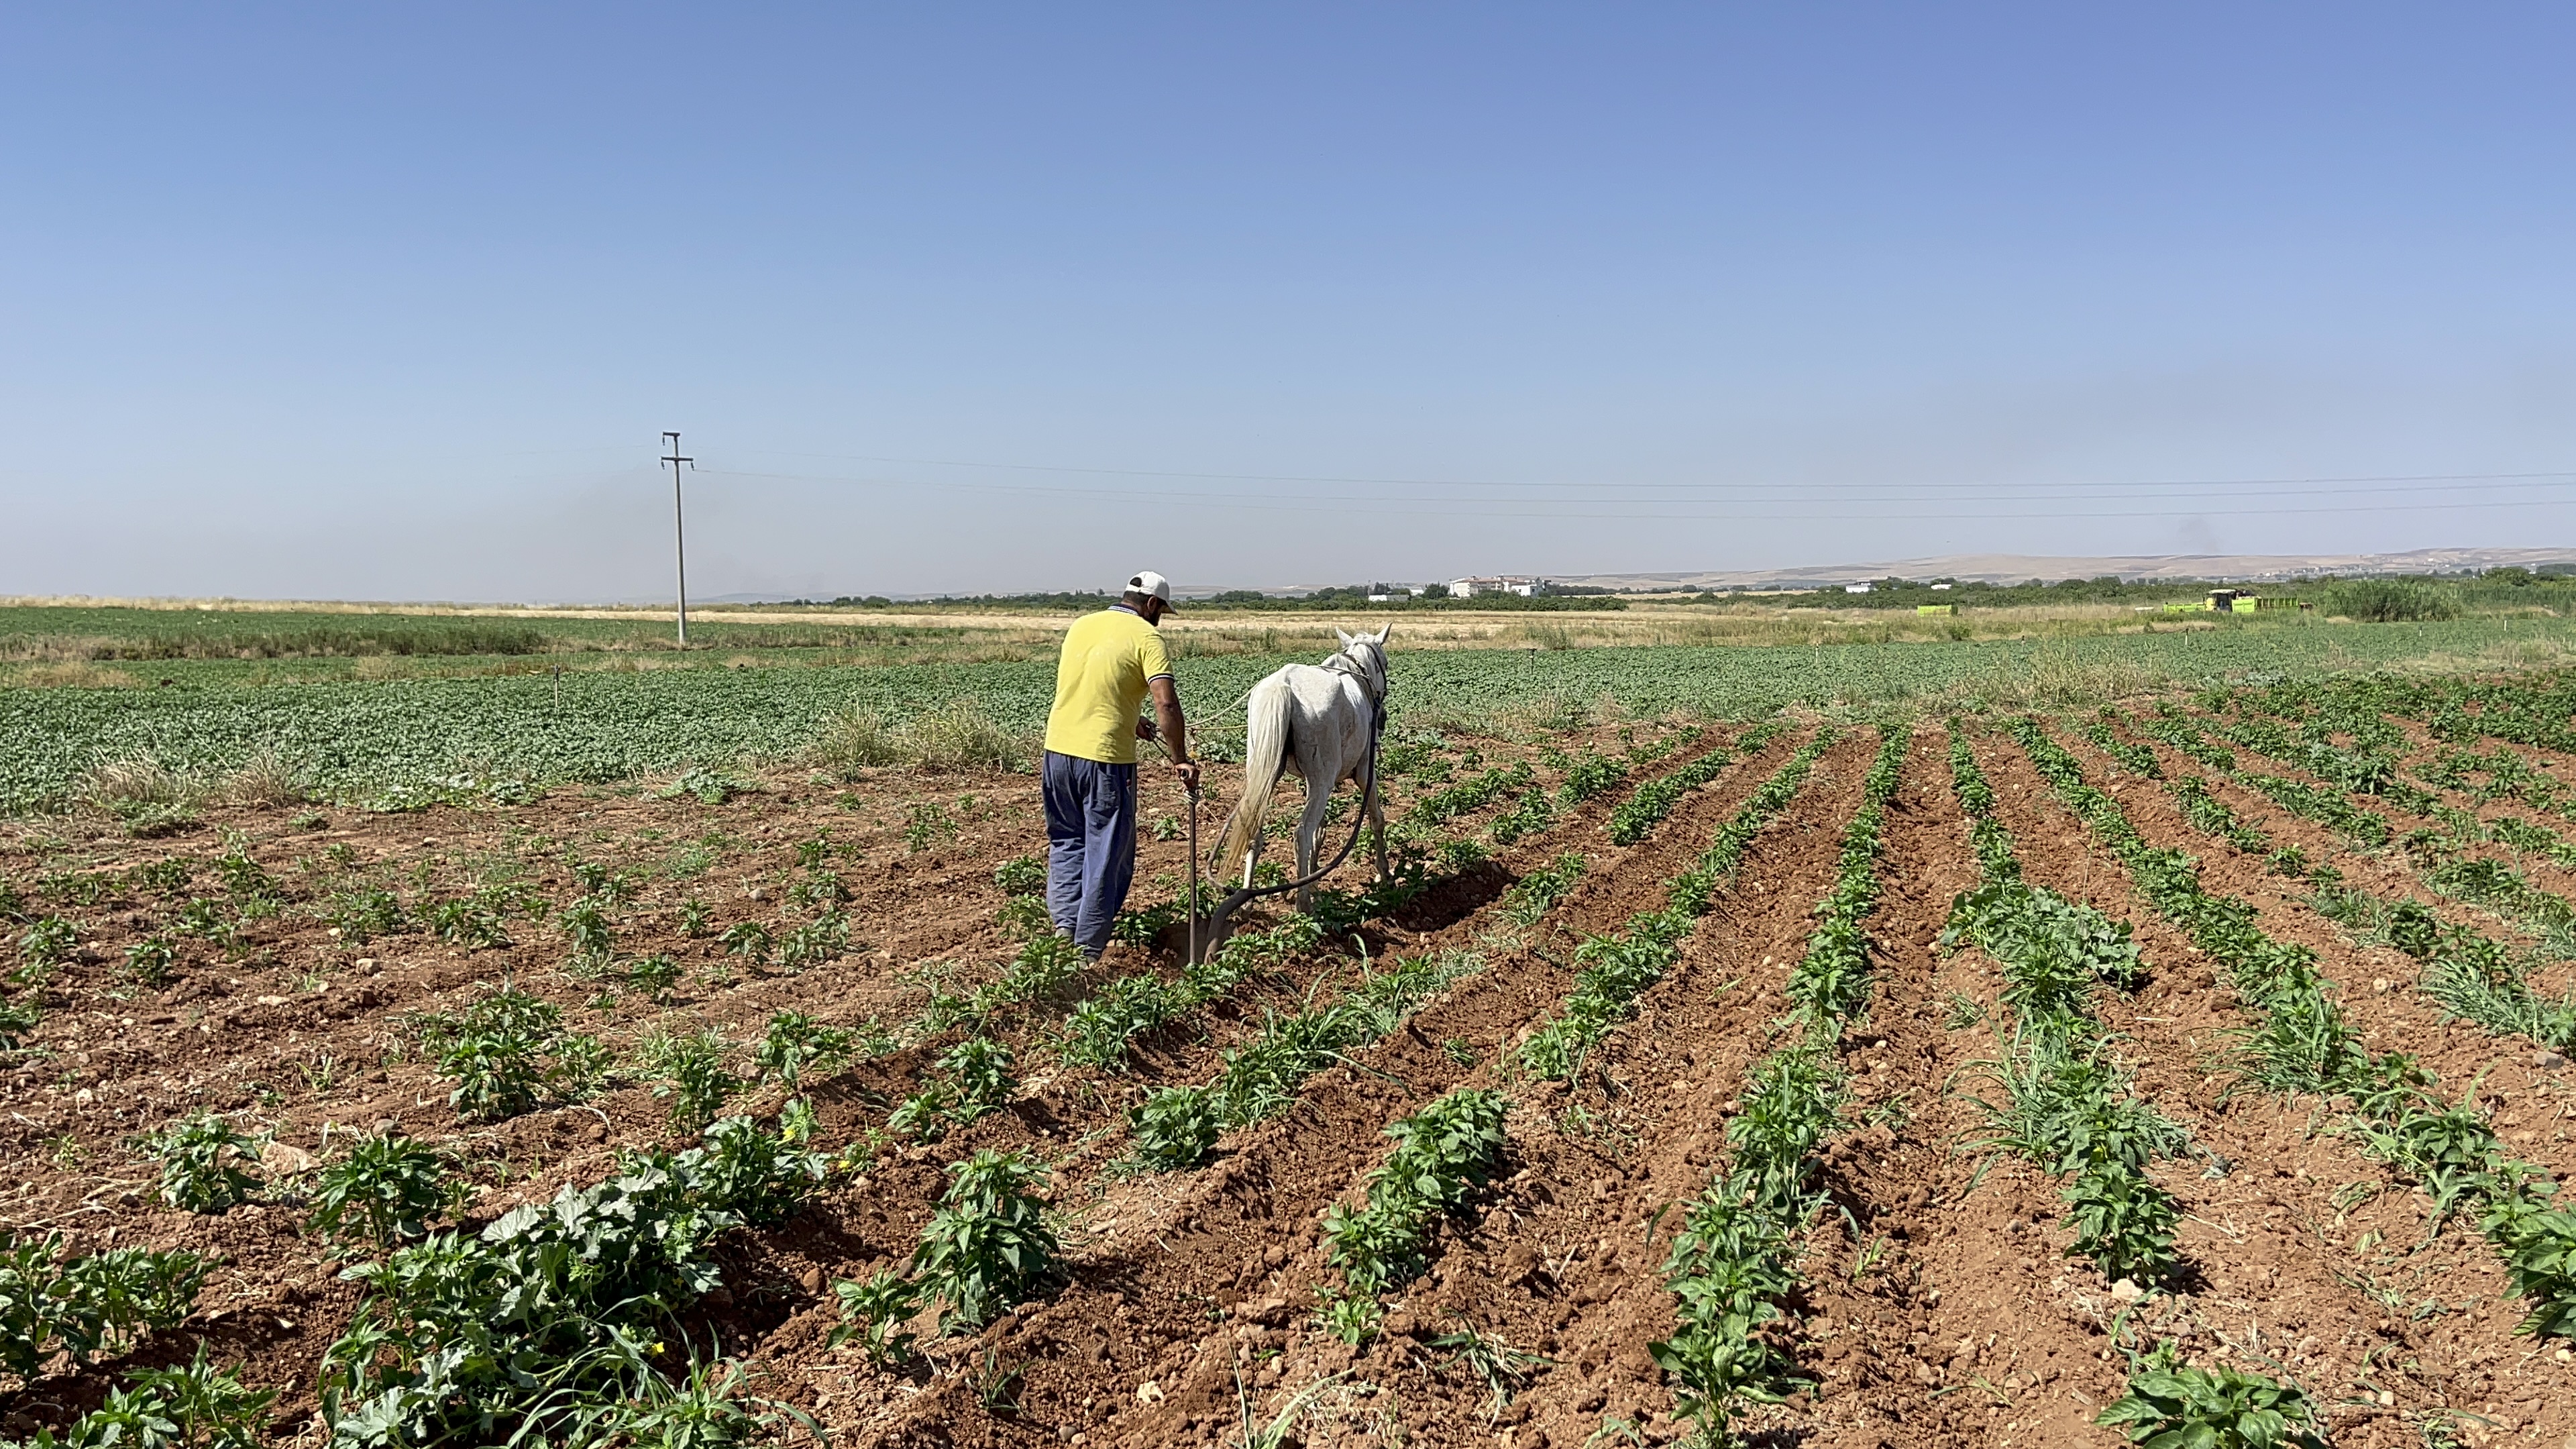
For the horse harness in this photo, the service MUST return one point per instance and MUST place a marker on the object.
(1344, 664)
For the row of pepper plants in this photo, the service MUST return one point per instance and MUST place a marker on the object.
(1734, 1260)
(2442, 852)
(2064, 1101)
(2469, 974)
(2299, 1042)
(990, 1245)
(1177, 1127)
(1645, 808)
(1613, 968)
(2066, 1104)
(1453, 1146)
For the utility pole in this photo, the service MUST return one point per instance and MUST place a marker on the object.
(679, 530)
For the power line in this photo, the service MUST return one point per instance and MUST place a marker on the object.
(1912, 495)
(2417, 478)
(1736, 509)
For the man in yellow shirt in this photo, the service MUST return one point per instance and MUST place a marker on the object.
(1111, 661)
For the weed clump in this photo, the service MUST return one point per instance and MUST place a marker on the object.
(147, 797)
(955, 736)
(856, 739)
(266, 780)
(2390, 601)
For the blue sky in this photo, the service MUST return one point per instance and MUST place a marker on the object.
(393, 302)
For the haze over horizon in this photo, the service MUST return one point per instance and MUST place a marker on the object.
(312, 302)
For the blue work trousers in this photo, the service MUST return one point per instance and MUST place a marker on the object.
(1091, 845)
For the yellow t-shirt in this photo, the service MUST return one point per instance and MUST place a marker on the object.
(1100, 684)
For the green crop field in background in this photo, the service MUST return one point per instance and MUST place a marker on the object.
(110, 633)
(357, 738)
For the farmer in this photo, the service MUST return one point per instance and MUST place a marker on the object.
(1111, 660)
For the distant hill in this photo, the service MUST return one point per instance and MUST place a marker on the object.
(1993, 568)
(2000, 568)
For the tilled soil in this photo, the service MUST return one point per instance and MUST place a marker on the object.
(2387, 872)
(300, 1033)
(1913, 1301)
(2535, 1105)
(1226, 1258)
(2310, 1253)
(1938, 1305)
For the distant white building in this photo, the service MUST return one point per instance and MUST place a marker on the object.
(1470, 588)
(1937, 587)
(1855, 588)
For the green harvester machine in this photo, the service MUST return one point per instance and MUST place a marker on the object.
(2239, 601)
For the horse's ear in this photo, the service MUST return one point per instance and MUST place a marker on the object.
(1383, 631)
(1346, 639)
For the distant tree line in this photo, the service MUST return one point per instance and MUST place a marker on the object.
(1342, 597)
(2378, 598)
(1895, 593)
(2551, 587)
(1357, 596)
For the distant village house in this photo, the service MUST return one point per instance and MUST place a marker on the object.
(1470, 588)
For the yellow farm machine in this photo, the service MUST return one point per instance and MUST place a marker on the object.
(2239, 601)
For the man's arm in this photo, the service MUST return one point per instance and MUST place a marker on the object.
(1172, 729)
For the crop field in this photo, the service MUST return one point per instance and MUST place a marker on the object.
(124, 646)
(366, 742)
(2161, 1038)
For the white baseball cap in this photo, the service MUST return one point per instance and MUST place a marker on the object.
(1149, 582)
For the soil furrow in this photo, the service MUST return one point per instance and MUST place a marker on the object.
(2280, 1266)
(1564, 1263)
(1179, 1255)
(917, 856)
(2536, 1114)
(2470, 1355)
(1905, 1302)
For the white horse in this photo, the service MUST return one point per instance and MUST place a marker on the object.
(1320, 720)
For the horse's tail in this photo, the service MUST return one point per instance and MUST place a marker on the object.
(1265, 757)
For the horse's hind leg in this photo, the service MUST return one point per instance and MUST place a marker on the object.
(1310, 832)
